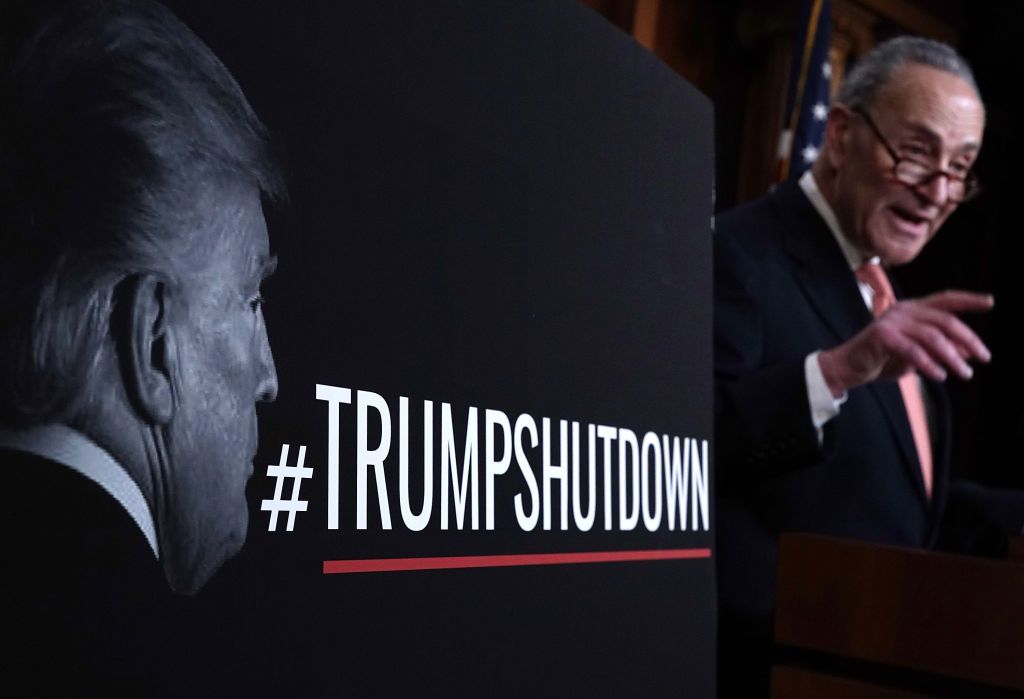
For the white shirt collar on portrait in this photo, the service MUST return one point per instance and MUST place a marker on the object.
(70, 447)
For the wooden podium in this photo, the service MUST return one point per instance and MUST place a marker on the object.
(856, 620)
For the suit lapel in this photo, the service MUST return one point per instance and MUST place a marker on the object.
(942, 429)
(888, 395)
(831, 289)
(822, 271)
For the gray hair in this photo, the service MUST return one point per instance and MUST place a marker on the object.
(877, 67)
(113, 113)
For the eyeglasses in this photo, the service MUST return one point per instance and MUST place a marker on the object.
(961, 187)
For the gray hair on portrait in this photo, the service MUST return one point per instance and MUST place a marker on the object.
(114, 115)
(875, 68)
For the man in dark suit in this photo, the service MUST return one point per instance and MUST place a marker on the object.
(132, 342)
(829, 413)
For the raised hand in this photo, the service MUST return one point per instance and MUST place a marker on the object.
(917, 334)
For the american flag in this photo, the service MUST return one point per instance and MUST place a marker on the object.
(808, 97)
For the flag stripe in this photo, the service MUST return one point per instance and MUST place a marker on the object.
(805, 60)
(809, 89)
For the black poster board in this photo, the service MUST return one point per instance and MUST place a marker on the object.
(502, 208)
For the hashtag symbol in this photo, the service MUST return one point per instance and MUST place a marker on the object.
(281, 472)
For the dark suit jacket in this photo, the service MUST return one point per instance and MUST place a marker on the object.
(783, 289)
(84, 598)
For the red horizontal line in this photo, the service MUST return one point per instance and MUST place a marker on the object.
(384, 565)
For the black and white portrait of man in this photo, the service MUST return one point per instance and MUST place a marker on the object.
(133, 349)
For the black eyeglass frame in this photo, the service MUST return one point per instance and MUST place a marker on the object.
(969, 181)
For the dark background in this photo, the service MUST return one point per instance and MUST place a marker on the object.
(502, 205)
(983, 248)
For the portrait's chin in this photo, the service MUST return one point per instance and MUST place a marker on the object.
(234, 539)
(188, 580)
(189, 565)
(238, 540)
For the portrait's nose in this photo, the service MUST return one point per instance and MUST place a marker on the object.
(266, 389)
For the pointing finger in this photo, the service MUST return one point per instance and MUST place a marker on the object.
(956, 301)
(954, 330)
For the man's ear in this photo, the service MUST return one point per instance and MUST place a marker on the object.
(146, 345)
(837, 134)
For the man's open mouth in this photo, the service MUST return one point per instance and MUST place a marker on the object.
(911, 221)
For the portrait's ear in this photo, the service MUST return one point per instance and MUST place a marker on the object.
(147, 346)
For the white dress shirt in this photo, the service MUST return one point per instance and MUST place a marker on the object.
(73, 449)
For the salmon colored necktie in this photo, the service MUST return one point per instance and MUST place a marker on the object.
(872, 274)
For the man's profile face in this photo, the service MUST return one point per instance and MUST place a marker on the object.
(224, 367)
(924, 113)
